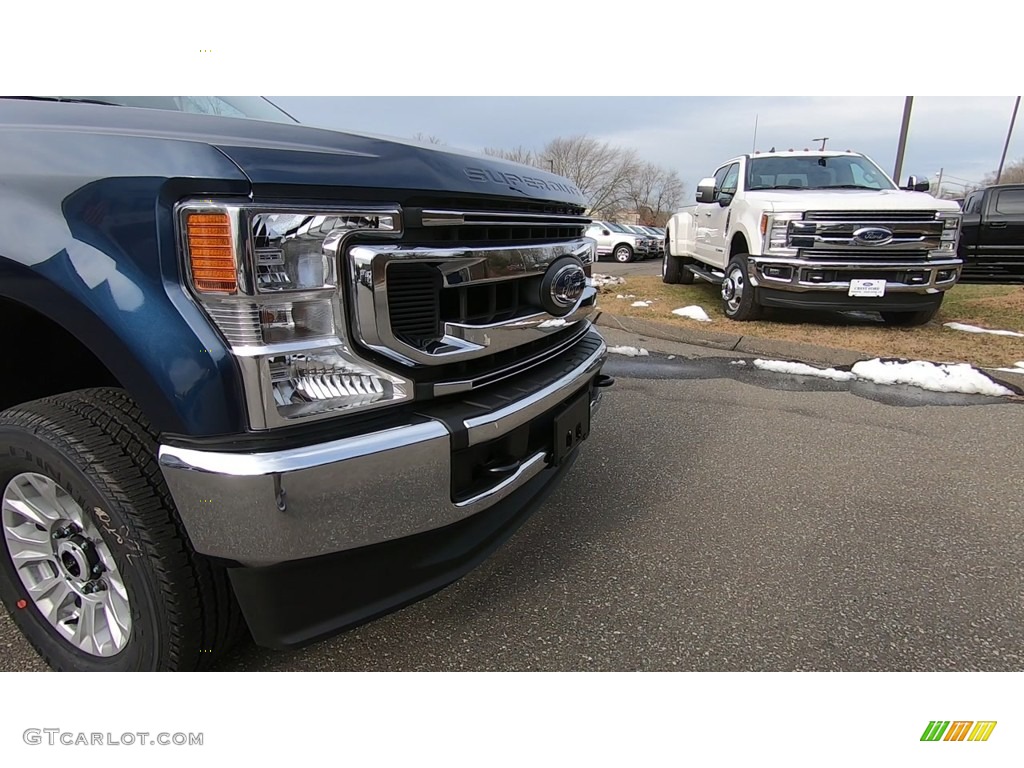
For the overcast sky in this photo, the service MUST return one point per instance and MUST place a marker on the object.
(693, 134)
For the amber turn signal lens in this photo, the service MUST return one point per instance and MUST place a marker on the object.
(211, 253)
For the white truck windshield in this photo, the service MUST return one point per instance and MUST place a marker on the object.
(815, 172)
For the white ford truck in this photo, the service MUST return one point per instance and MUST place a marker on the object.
(816, 230)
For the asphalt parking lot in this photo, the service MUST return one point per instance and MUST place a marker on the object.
(606, 266)
(721, 518)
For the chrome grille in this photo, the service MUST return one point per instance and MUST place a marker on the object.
(834, 234)
(460, 303)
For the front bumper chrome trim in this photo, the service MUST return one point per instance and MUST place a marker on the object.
(794, 283)
(264, 508)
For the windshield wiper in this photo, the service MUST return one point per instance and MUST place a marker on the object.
(62, 99)
(778, 186)
(847, 186)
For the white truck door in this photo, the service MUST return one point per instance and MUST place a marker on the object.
(715, 217)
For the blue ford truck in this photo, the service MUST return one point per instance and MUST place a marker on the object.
(268, 378)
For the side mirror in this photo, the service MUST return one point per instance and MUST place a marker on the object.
(706, 190)
(913, 185)
(605, 232)
(724, 198)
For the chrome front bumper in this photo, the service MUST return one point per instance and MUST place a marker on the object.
(848, 270)
(264, 508)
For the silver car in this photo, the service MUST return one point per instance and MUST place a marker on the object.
(618, 242)
(656, 238)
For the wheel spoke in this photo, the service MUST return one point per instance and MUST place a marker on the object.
(26, 533)
(44, 587)
(51, 603)
(85, 630)
(25, 552)
(117, 608)
(28, 509)
(47, 491)
(116, 627)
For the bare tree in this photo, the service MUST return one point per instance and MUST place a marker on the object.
(431, 139)
(1013, 173)
(654, 193)
(613, 179)
(600, 171)
(516, 155)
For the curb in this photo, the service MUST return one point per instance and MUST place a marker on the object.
(780, 350)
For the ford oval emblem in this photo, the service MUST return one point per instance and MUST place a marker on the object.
(568, 284)
(872, 236)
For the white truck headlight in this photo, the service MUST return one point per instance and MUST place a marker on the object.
(270, 280)
(950, 225)
(775, 231)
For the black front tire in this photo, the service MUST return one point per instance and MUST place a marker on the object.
(98, 446)
(739, 297)
(908, 319)
(623, 254)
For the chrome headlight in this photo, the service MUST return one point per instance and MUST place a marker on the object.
(775, 232)
(269, 279)
(950, 237)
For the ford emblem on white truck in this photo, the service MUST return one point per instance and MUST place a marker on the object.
(872, 236)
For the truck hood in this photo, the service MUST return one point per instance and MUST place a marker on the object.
(295, 160)
(848, 200)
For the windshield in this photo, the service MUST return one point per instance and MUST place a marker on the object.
(253, 107)
(616, 228)
(815, 172)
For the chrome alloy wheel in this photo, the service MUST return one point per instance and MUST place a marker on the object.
(65, 565)
(732, 289)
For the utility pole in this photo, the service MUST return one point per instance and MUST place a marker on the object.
(904, 130)
(822, 140)
(1006, 146)
(938, 185)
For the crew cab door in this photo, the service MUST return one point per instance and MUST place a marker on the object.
(1002, 225)
(717, 216)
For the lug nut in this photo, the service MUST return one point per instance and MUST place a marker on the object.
(65, 531)
(97, 569)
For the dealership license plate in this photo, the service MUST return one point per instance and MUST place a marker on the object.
(572, 426)
(867, 287)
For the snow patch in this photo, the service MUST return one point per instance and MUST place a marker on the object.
(626, 296)
(935, 377)
(802, 369)
(976, 329)
(693, 312)
(598, 281)
(640, 304)
(737, 362)
(958, 377)
(629, 351)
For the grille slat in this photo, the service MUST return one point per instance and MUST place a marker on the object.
(869, 218)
